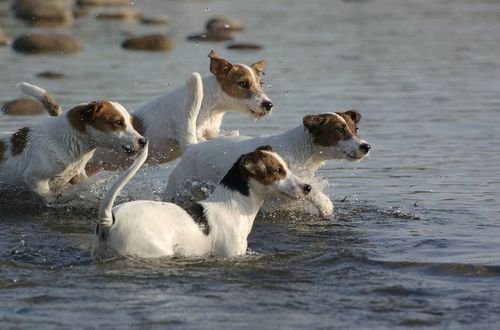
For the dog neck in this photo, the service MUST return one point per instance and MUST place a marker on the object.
(232, 212)
(76, 144)
(212, 108)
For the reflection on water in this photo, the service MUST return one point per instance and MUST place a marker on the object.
(414, 241)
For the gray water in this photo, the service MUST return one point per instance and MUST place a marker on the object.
(415, 238)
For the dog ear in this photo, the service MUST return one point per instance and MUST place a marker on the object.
(313, 122)
(259, 67)
(355, 115)
(83, 114)
(265, 148)
(253, 164)
(219, 66)
(90, 110)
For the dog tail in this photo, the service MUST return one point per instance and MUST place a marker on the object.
(194, 98)
(105, 212)
(43, 96)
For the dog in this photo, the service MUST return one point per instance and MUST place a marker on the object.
(321, 137)
(229, 87)
(218, 226)
(46, 156)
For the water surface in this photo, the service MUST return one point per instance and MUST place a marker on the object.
(415, 237)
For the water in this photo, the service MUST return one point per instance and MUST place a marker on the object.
(415, 238)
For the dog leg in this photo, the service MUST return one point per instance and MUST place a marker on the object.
(321, 201)
(39, 187)
(79, 177)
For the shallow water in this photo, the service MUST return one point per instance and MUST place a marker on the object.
(415, 239)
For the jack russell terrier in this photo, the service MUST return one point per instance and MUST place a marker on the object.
(164, 120)
(46, 156)
(306, 148)
(219, 225)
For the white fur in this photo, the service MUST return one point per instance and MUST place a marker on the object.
(56, 153)
(166, 118)
(150, 229)
(208, 161)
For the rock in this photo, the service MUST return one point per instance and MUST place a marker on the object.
(79, 12)
(244, 46)
(47, 43)
(23, 107)
(211, 36)
(44, 12)
(50, 75)
(152, 42)
(3, 39)
(126, 14)
(155, 20)
(103, 3)
(224, 24)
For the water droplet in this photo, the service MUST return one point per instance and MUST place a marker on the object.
(207, 10)
(269, 86)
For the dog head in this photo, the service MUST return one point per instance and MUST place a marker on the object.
(268, 173)
(108, 124)
(334, 135)
(241, 85)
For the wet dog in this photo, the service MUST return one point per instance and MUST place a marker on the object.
(164, 120)
(320, 138)
(219, 225)
(48, 155)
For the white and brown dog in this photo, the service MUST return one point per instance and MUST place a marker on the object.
(306, 148)
(219, 225)
(46, 156)
(164, 120)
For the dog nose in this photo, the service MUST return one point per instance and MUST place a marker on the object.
(142, 142)
(365, 147)
(267, 105)
(307, 188)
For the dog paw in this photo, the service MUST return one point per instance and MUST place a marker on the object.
(326, 209)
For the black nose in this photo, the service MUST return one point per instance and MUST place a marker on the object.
(365, 147)
(307, 188)
(142, 142)
(267, 105)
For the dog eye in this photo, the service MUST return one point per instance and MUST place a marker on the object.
(340, 130)
(279, 170)
(244, 84)
(118, 123)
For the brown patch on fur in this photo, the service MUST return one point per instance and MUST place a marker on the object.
(263, 166)
(52, 107)
(235, 80)
(138, 125)
(328, 129)
(19, 140)
(3, 148)
(101, 115)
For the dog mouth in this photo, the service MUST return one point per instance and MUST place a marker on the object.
(354, 157)
(256, 114)
(129, 150)
(291, 195)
